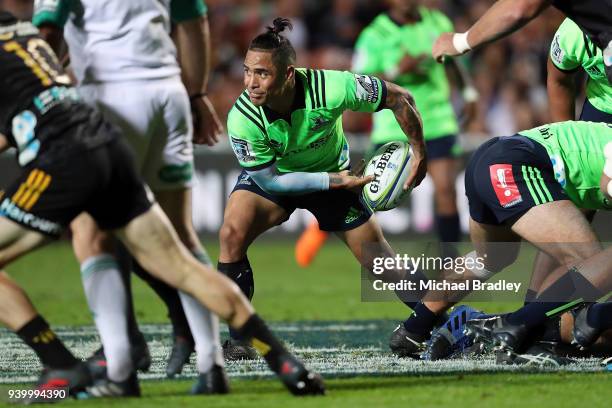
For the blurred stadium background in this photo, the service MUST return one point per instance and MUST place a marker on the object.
(510, 76)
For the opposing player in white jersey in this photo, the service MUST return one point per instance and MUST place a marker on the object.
(125, 63)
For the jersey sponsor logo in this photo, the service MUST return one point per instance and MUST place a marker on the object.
(556, 52)
(24, 133)
(366, 88)
(242, 150)
(318, 123)
(11, 211)
(505, 187)
(559, 169)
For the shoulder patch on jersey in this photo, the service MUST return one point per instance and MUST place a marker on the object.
(366, 88)
(242, 150)
(556, 52)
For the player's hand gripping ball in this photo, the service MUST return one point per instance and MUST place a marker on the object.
(390, 167)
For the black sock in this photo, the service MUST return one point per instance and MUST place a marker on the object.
(412, 298)
(52, 353)
(565, 293)
(600, 316)
(448, 228)
(422, 321)
(170, 296)
(242, 274)
(530, 296)
(124, 260)
(257, 333)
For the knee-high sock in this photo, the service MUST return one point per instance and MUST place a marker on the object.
(241, 273)
(204, 326)
(107, 300)
(562, 295)
(124, 259)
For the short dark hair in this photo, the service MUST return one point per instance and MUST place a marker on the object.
(280, 47)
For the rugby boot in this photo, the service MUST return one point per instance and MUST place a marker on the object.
(107, 388)
(179, 356)
(141, 359)
(497, 331)
(539, 354)
(584, 335)
(449, 339)
(238, 350)
(55, 384)
(214, 381)
(405, 344)
(298, 379)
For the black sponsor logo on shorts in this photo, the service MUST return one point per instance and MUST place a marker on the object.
(12, 212)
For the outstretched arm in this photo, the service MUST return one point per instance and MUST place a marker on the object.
(501, 19)
(401, 102)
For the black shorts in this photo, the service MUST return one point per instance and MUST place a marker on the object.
(102, 181)
(592, 114)
(506, 177)
(445, 147)
(335, 210)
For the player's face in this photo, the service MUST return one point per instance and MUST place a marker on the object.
(262, 78)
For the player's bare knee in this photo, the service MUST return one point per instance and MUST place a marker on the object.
(232, 238)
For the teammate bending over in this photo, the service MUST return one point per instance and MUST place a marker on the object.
(532, 186)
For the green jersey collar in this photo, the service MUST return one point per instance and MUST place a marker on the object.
(299, 101)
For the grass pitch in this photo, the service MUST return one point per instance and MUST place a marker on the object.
(318, 312)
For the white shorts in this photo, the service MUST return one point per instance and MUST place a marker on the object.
(155, 116)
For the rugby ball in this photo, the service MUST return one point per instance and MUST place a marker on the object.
(390, 167)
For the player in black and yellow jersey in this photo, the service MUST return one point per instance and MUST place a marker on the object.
(73, 161)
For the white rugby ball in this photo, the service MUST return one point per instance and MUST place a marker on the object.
(390, 167)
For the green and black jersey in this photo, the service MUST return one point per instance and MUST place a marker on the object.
(313, 139)
(380, 48)
(571, 50)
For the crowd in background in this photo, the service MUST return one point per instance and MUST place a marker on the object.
(510, 75)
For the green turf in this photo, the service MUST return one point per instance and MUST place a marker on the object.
(327, 290)
(492, 390)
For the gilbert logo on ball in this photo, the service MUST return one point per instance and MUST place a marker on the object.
(390, 168)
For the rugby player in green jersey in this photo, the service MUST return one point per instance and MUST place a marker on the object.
(395, 47)
(571, 51)
(286, 131)
(531, 186)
